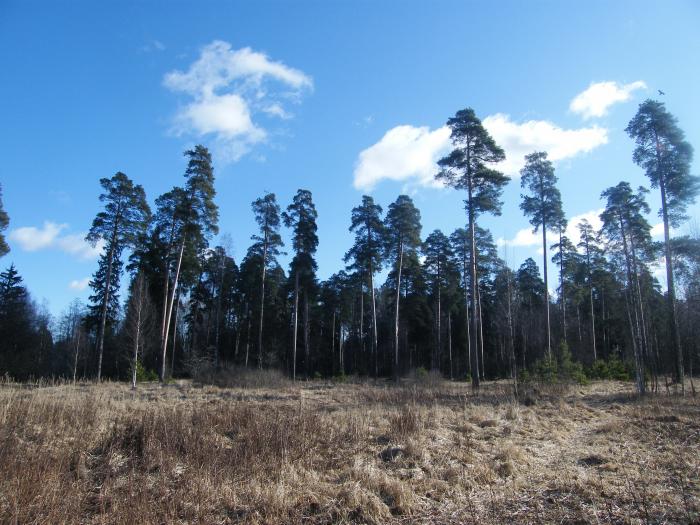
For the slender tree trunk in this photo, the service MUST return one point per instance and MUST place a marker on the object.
(361, 332)
(436, 356)
(177, 312)
(449, 341)
(296, 325)
(137, 338)
(218, 313)
(511, 342)
(333, 338)
(546, 288)
(590, 292)
(262, 301)
(474, 284)
(247, 337)
(75, 357)
(481, 332)
(340, 349)
(307, 345)
(561, 285)
(679, 373)
(105, 304)
(396, 317)
(374, 320)
(170, 310)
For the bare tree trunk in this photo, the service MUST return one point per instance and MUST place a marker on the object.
(137, 337)
(105, 305)
(546, 288)
(247, 338)
(671, 289)
(262, 302)
(374, 320)
(296, 324)
(75, 358)
(561, 284)
(333, 337)
(481, 331)
(307, 346)
(218, 312)
(449, 340)
(396, 317)
(170, 310)
(172, 354)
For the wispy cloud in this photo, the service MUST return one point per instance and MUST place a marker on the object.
(596, 100)
(79, 284)
(49, 236)
(227, 88)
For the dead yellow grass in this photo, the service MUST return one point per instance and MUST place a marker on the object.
(353, 453)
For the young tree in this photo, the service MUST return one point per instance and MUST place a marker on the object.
(366, 252)
(467, 168)
(267, 247)
(4, 223)
(138, 319)
(195, 219)
(301, 217)
(122, 222)
(543, 207)
(402, 227)
(665, 155)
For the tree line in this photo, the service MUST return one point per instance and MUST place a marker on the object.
(449, 303)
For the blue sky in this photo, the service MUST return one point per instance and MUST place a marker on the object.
(339, 97)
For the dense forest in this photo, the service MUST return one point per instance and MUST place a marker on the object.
(166, 303)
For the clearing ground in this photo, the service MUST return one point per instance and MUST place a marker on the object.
(362, 452)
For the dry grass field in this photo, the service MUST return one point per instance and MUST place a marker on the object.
(364, 452)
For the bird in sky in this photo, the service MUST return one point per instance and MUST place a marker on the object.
(660, 92)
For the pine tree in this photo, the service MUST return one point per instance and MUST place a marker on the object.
(366, 253)
(591, 253)
(543, 207)
(628, 234)
(402, 238)
(120, 225)
(467, 168)
(267, 248)
(4, 223)
(437, 266)
(662, 151)
(301, 217)
(195, 219)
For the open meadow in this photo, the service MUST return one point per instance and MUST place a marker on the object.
(358, 452)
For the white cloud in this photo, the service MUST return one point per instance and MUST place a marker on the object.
(599, 96)
(79, 284)
(408, 153)
(228, 88)
(404, 153)
(593, 218)
(31, 239)
(520, 139)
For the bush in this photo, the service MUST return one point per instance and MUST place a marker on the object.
(144, 375)
(554, 370)
(611, 368)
